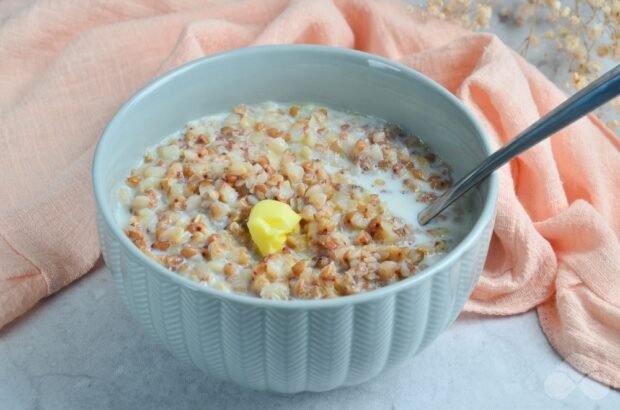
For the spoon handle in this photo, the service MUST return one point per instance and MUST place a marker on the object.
(581, 103)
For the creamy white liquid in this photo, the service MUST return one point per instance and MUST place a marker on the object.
(395, 196)
(402, 203)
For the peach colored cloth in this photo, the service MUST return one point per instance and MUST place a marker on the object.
(66, 66)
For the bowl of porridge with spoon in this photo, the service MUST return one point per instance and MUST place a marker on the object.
(258, 211)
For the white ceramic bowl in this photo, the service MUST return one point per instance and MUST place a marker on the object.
(301, 345)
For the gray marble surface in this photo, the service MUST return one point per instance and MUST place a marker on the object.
(80, 349)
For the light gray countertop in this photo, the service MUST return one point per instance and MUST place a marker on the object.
(80, 349)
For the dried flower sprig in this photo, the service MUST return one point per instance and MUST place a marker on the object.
(587, 32)
(473, 15)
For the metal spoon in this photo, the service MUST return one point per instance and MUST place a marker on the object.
(581, 103)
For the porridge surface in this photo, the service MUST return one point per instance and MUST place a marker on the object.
(356, 182)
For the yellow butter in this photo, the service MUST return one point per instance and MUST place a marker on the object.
(269, 223)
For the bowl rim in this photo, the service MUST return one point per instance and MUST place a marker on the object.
(486, 215)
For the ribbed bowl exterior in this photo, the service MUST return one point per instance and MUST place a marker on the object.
(292, 350)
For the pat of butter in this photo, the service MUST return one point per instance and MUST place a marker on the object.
(269, 223)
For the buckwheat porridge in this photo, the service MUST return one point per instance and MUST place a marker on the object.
(288, 201)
